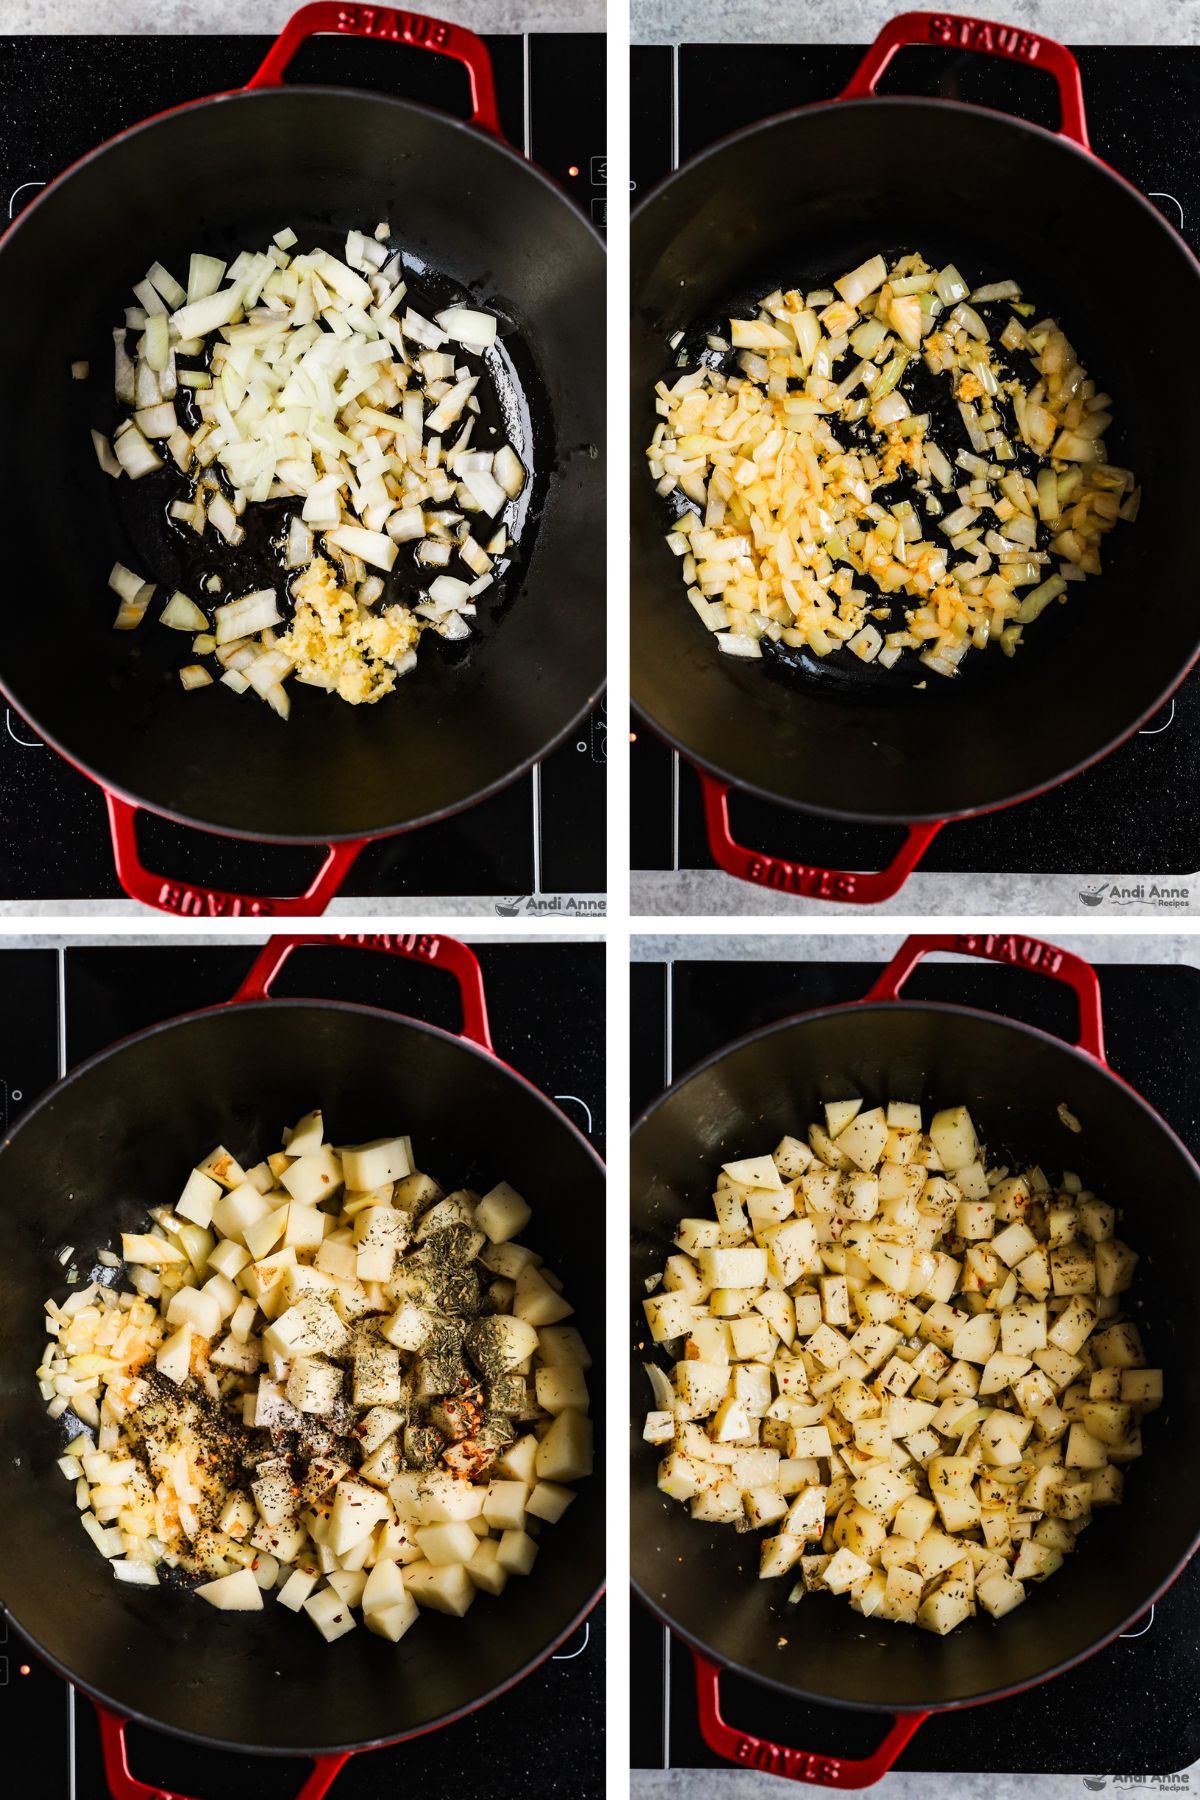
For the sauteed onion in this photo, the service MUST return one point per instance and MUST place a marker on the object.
(783, 448)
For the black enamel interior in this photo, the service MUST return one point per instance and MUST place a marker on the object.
(226, 174)
(821, 189)
(704, 1579)
(82, 1166)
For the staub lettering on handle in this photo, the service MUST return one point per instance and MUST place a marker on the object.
(410, 945)
(796, 1765)
(1020, 951)
(798, 878)
(395, 27)
(197, 903)
(979, 34)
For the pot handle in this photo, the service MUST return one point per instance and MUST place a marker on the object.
(958, 31)
(751, 1752)
(800, 878)
(123, 1784)
(196, 902)
(413, 29)
(457, 958)
(1023, 953)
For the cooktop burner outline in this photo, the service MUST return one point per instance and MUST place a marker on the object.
(682, 990)
(529, 840)
(85, 994)
(1028, 839)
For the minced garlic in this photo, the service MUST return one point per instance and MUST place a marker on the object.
(338, 645)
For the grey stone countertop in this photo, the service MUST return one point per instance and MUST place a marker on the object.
(215, 17)
(842, 946)
(859, 21)
(708, 893)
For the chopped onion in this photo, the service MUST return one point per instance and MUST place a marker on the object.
(374, 547)
(195, 675)
(241, 618)
(182, 614)
(477, 330)
(104, 454)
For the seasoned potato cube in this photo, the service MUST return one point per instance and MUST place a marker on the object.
(314, 1386)
(750, 1338)
(778, 1554)
(1119, 1347)
(947, 1607)
(864, 1138)
(976, 1340)
(444, 1587)
(839, 1114)
(974, 1219)
(881, 1491)
(735, 1268)
(952, 1134)
(1083, 1450)
(891, 1264)
(1072, 1270)
(1142, 1388)
(999, 1593)
(1114, 1266)
(377, 1375)
(1035, 1561)
(791, 1157)
(844, 1570)
(1023, 1328)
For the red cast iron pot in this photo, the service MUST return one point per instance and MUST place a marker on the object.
(221, 174)
(815, 191)
(83, 1164)
(701, 1580)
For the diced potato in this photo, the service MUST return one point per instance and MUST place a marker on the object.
(238, 1592)
(485, 1568)
(368, 1166)
(863, 1139)
(330, 1614)
(445, 1587)
(952, 1133)
(947, 1607)
(537, 1302)
(549, 1501)
(504, 1505)
(565, 1453)
(517, 1552)
(502, 1213)
(450, 1543)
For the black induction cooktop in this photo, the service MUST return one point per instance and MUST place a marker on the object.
(1130, 1711)
(1131, 814)
(544, 834)
(545, 1737)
